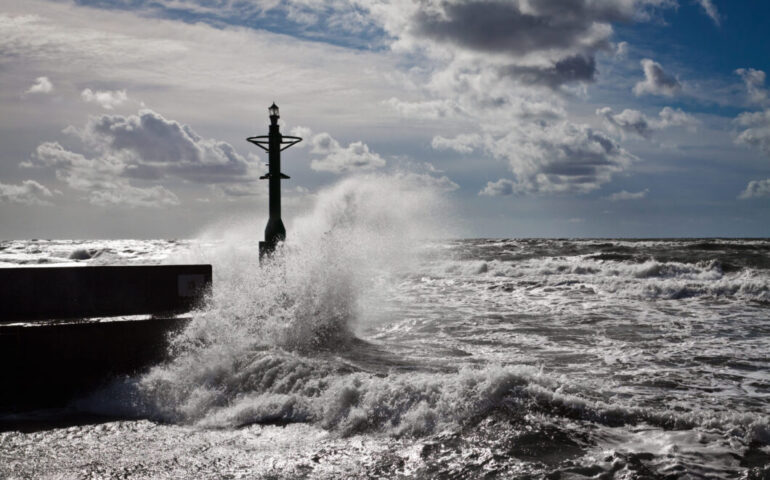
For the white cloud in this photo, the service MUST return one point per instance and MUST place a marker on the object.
(711, 10)
(656, 81)
(338, 159)
(463, 143)
(559, 157)
(621, 50)
(432, 109)
(108, 99)
(99, 178)
(149, 146)
(29, 192)
(756, 189)
(755, 82)
(128, 155)
(757, 130)
(302, 132)
(624, 195)
(501, 187)
(675, 117)
(627, 121)
(440, 183)
(41, 85)
(635, 122)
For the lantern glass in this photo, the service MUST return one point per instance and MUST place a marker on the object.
(273, 110)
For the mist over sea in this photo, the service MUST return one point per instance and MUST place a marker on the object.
(376, 346)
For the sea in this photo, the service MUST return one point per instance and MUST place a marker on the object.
(377, 343)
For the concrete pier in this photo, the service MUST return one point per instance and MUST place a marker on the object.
(49, 365)
(65, 331)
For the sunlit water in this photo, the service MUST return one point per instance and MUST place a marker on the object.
(365, 351)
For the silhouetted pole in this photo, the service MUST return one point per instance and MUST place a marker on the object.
(276, 143)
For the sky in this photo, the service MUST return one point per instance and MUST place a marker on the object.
(535, 118)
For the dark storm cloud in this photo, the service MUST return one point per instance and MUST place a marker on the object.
(578, 68)
(506, 27)
(546, 42)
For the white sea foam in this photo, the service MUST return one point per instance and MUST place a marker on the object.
(309, 298)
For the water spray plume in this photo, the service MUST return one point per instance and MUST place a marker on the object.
(307, 299)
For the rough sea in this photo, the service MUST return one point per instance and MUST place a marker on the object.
(375, 346)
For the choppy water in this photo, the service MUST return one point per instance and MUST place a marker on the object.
(357, 355)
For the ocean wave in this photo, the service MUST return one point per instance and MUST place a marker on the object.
(647, 279)
(280, 387)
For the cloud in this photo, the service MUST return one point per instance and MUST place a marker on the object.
(577, 68)
(757, 130)
(627, 121)
(756, 189)
(562, 158)
(486, 63)
(166, 62)
(624, 195)
(479, 57)
(656, 81)
(432, 109)
(99, 178)
(28, 193)
(108, 99)
(152, 147)
(41, 85)
(338, 159)
(711, 10)
(501, 187)
(559, 157)
(621, 50)
(755, 81)
(440, 183)
(463, 143)
(670, 117)
(127, 154)
(635, 122)
(518, 27)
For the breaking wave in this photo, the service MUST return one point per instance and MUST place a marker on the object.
(274, 340)
(648, 279)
